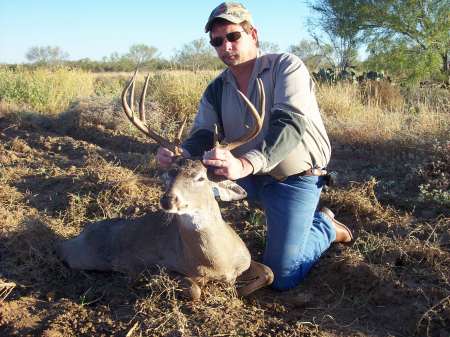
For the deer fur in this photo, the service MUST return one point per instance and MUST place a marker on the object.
(188, 235)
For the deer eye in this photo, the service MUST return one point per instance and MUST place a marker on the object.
(199, 178)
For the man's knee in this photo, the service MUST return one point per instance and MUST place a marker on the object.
(283, 283)
(288, 279)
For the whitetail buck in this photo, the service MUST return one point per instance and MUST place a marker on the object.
(188, 236)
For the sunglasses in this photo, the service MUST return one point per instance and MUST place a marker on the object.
(231, 37)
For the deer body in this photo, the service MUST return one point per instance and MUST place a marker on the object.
(189, 237)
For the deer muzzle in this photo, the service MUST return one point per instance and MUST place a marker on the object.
(170, 202)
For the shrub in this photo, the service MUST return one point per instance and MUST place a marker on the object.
(43, 90)
(179, 91)
(379, 113)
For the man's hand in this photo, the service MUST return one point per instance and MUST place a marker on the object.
(165, 157)
(227, 165)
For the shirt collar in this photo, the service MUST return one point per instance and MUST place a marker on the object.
(261, 63)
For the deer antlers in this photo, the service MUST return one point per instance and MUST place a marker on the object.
(258, 119)
(174, 146)
(140, 122)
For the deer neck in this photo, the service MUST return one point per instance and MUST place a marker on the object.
(203, 233)
(201, 221)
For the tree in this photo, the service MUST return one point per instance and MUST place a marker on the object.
(395, 59)
(197, 55)
(141, 53)
(113, 57)
(418, 29)
(47, 55)
(339, 22)
(415, 27)
(314, 55)
(268, 47)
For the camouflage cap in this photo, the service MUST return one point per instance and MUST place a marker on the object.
(230, 11)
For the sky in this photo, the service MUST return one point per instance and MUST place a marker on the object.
(95, 29)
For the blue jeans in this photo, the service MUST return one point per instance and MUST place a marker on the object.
(297, 234)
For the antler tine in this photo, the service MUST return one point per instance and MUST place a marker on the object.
(262, 101)
(139, 123)
(216, 135)
(258, 119)
(180, 133)
(142, 101)
(133, 82)
(126, 108)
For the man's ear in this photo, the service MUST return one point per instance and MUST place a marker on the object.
(228, 190)
(254, 34)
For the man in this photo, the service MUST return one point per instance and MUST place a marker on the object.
(283, 166)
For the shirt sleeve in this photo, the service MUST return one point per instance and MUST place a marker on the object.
(293, 88)
(201, 136)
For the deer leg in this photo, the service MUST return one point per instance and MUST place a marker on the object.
(189, 289)
(255, 277)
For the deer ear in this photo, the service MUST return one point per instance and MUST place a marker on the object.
(227, 190)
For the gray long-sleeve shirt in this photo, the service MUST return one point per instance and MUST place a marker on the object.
(293, 138)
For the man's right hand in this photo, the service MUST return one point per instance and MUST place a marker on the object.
(165, 157)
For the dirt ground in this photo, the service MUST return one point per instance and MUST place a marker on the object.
(56, 175)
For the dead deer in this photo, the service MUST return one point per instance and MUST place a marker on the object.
(187, 236)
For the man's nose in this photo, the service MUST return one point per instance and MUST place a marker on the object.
(227, 44)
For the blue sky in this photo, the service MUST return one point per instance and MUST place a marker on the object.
(98, 28)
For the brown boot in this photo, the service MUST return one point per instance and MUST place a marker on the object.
(343, 233)
(255, 277)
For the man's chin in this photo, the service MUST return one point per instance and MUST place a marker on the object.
(230, 61)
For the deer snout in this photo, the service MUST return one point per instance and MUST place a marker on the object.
(170, 202)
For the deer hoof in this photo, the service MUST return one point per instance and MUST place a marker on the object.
(189, 290)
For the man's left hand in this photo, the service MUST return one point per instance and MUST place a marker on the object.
(227, 165)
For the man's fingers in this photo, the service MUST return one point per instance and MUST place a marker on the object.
(165, 152)
(216, 153)
(214, 162)
(221, 166)
(220, 172)
(164, 157)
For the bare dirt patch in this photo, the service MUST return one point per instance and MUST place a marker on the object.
(393, 280)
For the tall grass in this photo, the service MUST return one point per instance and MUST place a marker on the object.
(381, 112)
(43, 90)
(373, 111)
(179, 91)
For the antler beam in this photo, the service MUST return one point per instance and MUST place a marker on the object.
(140, 122)
(259, 119)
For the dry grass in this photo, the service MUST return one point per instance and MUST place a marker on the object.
(179, 91)
(43, 90)
(58, 173)
(378, 112)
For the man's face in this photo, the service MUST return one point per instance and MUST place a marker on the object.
(237, 52)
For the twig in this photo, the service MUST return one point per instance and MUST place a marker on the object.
(131, 331)
(427, 315)
(5, 289)
(432, 232)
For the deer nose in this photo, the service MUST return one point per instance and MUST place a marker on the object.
(169, 201)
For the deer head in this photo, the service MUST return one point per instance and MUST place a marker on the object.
(190, 190)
